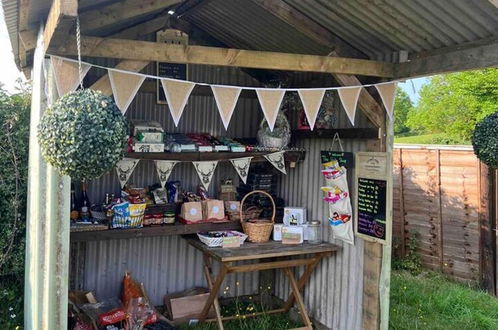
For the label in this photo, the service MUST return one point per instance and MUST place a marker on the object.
(230, 242)
(193, 211)
(216, 209)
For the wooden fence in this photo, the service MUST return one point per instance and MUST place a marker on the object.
(446, 198)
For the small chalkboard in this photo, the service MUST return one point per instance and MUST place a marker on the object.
(372, 208)
(169, 70)
(372, 205)
(345, 159)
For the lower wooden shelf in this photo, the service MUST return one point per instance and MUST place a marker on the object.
(164, 230)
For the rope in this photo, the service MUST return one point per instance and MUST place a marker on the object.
(78, 46)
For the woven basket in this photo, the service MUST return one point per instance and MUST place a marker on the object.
(218, 241)
(257, 230)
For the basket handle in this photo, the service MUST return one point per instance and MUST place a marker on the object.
(257, 192)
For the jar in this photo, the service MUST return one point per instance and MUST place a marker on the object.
(314, 232)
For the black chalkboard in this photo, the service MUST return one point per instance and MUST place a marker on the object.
(169, 70)
(372, 208)
(345, 159)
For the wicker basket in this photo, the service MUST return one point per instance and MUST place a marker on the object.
(218, 241)
(252, 212)
(257, 230)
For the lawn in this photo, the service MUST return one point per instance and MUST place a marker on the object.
(429, 301)
(435, 138)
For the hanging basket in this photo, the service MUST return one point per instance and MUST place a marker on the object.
(485, 140)
(257, 230)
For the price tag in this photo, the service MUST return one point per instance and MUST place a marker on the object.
(231, 242)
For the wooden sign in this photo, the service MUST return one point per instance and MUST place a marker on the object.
(372, 207)
(170, 70)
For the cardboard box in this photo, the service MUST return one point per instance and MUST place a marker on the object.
(213, 209)
(149, 137)
(292, 235)
(187, 305)
(294, 216)
(191, 212)
(146, 126)
(148, 147)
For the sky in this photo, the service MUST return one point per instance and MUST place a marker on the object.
(9, 73)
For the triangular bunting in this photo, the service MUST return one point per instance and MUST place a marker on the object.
(387, 93)
(270, 100)
(164, 169)
(177, 93)
(124, 169)
(277, 159)
(67, 77)
(205, 170)
(312, 100)
(241, 165)
(349, 99)
(124, 87)
(226, 99)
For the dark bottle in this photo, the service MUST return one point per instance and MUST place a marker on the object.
(85, 204)
(75, 214)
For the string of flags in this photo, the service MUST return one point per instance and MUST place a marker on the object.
(205, 169)
(126, 84)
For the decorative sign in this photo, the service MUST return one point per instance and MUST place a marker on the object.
(372, 205)
(170, 70)
(345, 159)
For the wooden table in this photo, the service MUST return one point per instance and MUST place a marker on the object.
(308, 255)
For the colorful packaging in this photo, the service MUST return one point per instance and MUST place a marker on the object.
(294, 216)
(292, 235)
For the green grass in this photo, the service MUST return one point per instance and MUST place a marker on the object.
(434, 138)
(430, 301)
(266, 322)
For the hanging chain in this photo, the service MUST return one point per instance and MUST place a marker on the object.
(78, 46)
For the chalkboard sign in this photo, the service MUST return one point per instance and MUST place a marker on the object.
(372, 205)
(345, 159)
(169, 70)
(371, 208)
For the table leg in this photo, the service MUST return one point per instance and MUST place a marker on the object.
(299, 298)
(302, 280)
(214, 292)
(208, 271)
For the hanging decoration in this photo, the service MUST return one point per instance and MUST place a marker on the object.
(241, 165)
(124, 87)
(67, 76)
(205, 170)
(226, 99)
(124, 169)
(164, 169)
(177, 93)
(277, 159)
(312, 100)
(349, 99)
(387, 93)
(270, 101)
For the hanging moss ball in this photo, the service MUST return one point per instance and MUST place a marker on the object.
(83, 134)
(485, 140)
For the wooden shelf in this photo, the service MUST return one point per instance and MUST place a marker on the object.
(164, 230)
(290, 156)
(344, 133)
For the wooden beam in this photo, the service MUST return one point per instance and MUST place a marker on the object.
(370, 107)
(28, 39)
(102, 18)
(487, 227)
(480, 57)
(151, 51)
(61, 19)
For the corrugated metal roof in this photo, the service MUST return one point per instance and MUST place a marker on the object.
(11, 15)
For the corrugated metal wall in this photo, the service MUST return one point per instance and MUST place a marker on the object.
(167, 264)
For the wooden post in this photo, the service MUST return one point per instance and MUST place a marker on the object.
(487, 226)
(439, 211)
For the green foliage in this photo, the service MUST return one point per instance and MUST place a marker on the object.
(83, 134)
(435, 138)
(411, 261)
(430, 301)
(14, 134)
(402, 107)
(485, 140)
(452, 104)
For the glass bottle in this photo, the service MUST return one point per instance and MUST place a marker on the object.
(75, 214)
(85, 204)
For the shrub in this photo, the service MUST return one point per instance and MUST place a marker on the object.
(485, 140)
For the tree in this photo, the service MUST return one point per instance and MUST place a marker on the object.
(402, 107)
(452, 104)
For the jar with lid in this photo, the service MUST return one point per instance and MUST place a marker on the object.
(314, 232)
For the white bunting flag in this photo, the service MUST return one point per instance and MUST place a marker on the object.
(349, 99)
(226, 99)
(277, 159)
(241, 165)
(312, 100)
(124, 87)
(124, 169)
(164, 169)
(177, 93)
(270, 100)
(387, 93)
(205, 170)
(67, 77)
